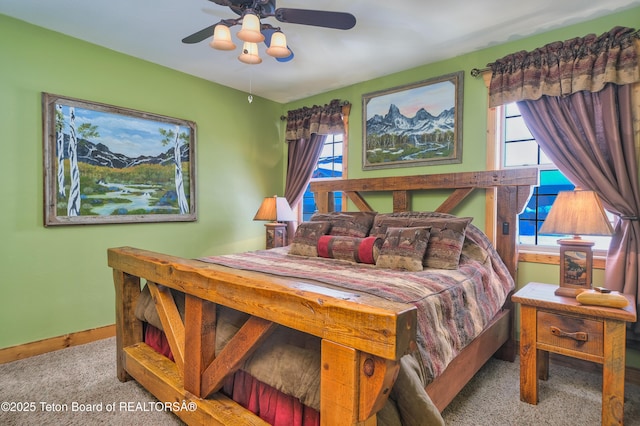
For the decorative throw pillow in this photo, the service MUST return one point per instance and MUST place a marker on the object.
(352, 249)
(384, 221)
(305, 241)
(351, 224)
(446, 242)
(446, 239)
(404, 248)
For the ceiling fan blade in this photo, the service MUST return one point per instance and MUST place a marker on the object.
(200, 35)
(268, 32)
(318, 18)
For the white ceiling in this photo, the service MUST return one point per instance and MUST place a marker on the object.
(389, 36)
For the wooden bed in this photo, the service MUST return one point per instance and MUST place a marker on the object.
(363, 337)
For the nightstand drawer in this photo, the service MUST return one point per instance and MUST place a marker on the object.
(569, 332)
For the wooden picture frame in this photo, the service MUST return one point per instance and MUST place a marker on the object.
(414, 125)
(107, 164)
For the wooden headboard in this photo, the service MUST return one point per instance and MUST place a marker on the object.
(507, 194)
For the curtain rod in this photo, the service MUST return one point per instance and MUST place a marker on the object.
(343, 103)
(478, 71)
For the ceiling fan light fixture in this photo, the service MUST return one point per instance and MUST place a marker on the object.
(222, 38)
(250, 54)
(250, 31)
(278, 46)
(250, 13)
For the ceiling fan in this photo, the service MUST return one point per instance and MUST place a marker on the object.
(266, 9)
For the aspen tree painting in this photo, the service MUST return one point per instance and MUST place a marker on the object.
(107, 164)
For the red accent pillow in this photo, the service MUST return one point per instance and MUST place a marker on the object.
(352, 249)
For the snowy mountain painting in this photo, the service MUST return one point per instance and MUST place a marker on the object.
(414, 125)
(105, 164)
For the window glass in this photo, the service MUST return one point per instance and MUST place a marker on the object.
(530, 220)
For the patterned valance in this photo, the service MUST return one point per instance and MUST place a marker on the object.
(561, 68)
(324, 120)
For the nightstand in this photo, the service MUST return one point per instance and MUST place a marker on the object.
(550, 323)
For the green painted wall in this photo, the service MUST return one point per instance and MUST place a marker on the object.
(56, 280)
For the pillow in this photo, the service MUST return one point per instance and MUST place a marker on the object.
(446, 239)
(446, 242)
(305, 240)
(351, 224)
(404, 248)
(352, 249)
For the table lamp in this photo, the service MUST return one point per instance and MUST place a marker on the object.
(576, 213)
(275, 210)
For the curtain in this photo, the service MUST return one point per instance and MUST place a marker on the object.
(307, 130)
(562, 68)
(575, 97)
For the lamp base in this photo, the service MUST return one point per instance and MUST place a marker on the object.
(276, 234)
(576, 266)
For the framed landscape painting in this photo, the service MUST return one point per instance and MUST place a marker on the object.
(414, 125)
(107, 164)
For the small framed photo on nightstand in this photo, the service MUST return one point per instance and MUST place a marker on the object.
(576, 260)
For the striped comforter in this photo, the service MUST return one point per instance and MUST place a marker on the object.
(454, 306)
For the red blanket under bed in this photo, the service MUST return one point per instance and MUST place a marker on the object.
(268, 403)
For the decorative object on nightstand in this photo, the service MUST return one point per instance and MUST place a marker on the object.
(576, 213)
(276, 210)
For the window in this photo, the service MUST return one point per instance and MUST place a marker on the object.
(518, 149)
(329, 165)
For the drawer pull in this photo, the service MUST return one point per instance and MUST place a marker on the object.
(579, 335)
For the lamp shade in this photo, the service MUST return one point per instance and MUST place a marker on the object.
(577, 213)
(275, 209)
(222, 38)
(278, 46)
(250, 30)
(250, 54)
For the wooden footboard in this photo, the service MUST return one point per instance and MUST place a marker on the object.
(363, 337)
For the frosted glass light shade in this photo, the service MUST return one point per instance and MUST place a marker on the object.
(250, 30)
(278, 46)
(250, 54)
(222, 38)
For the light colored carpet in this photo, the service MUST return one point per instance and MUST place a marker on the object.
(67, 377)
(570, 397)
